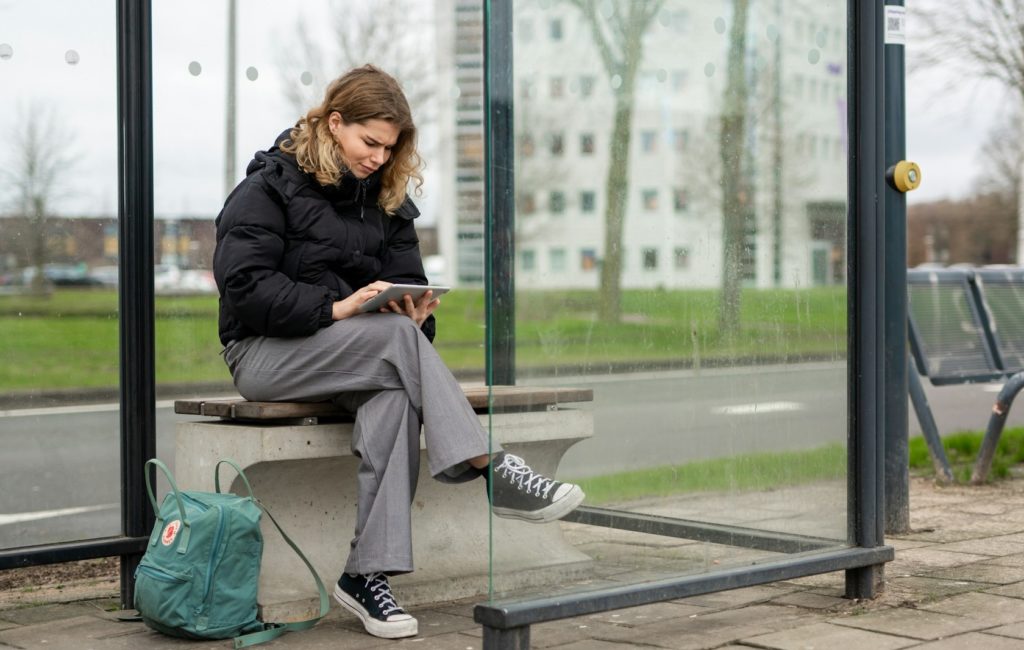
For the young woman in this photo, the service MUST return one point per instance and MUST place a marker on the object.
(320, 225)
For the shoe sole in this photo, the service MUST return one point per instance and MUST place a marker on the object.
(547, 514)
(395, 630)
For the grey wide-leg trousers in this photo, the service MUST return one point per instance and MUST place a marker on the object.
(384, 369)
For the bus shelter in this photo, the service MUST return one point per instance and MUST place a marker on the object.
(671, 207)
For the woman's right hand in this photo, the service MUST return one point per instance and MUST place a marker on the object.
(350, 306)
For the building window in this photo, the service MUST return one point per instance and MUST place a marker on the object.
(679, 78)
(588, 259)
(556, 202)
(682, 258)
(556, 260)
(680, 21)
(650, 199)
(557, 87)
(526, 145)
(586, 86)
(586, 143)
(556, 144)
(588, 201)
(525, 30)
(680, 201)
(556, 29)
(528, 260)
(680, 140)
(527, 203)
(798, 86)
(526, 88)
(649, 141)
(650, 257)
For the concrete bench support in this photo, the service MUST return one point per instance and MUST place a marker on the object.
(305, 475)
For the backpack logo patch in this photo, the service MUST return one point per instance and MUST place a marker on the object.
(170, 532)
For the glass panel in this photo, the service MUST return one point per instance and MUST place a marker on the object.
(273, 87)
(680, 252)
(59, 441)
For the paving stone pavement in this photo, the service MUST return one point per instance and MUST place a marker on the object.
(957, 583)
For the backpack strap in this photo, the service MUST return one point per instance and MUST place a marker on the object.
(274, 630)
(186, 525)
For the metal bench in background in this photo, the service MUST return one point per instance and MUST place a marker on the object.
(966, 326)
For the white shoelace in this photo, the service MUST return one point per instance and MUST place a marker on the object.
(524, 476)
(381, 591)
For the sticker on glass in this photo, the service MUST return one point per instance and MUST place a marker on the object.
(895, 25)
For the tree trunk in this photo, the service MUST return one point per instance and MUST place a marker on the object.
(616, 200)
(38, 244)
(734, 203)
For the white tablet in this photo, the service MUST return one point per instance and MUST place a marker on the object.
(397, 291)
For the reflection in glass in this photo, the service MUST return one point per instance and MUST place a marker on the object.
(59, 443)
(701, 292)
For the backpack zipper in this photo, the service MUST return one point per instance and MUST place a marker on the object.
(159, 574)
(214, 552)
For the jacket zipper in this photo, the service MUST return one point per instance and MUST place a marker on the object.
(361, 197)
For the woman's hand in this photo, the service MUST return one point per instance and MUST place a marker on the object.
(350, 306)
(418, 310)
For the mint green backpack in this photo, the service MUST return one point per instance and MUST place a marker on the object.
(200, 573)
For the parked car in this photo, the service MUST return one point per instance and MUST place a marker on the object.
(197, 281)
(166, 277)
(105, 275)
(61, 275)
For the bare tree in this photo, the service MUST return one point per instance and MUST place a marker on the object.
(981, 38)
(1002, 157)
(392, 35)
(617, 29)
(737, 199)
(37, 173)
(977, 39)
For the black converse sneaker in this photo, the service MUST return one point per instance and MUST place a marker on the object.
(517, 492)
(369, 597)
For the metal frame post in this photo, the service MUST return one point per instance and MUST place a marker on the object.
(499, 224)
(867, 291)
(897, 454)
(135, 293)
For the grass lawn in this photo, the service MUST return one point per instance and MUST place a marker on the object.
(742, 473)
(69, 339)
(962, 450)
(766, 471)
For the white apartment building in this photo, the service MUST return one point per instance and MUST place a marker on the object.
(795, 146)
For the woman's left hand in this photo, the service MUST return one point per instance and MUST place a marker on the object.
(418, 310)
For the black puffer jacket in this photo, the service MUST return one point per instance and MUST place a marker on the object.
(288, 248)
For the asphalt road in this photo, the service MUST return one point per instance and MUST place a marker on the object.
(59, 467)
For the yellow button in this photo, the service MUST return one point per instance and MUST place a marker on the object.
(906, 176)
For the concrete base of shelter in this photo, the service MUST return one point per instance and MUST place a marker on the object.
(305, 475)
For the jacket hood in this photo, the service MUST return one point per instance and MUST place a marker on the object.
(349, 190)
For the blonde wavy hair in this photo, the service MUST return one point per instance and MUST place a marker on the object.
(361, 94)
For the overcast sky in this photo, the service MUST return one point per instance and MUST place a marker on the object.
(59, 55)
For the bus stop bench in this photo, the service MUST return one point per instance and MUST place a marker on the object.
(298, 459)
(966, 326)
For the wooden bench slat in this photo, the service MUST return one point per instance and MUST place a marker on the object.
(504, 397)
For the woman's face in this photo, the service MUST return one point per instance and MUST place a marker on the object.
(365, 146)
